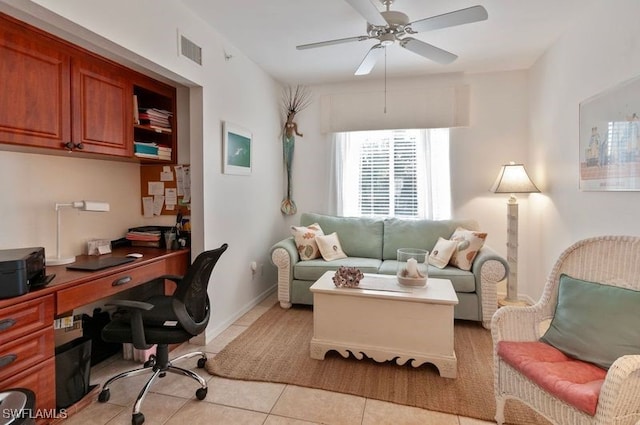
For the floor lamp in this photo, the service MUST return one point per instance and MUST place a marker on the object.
(513, 179)
(82, 206)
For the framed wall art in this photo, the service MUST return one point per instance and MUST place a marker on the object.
(236, 149)
(610, 139)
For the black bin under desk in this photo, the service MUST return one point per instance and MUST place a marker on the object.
(73, 369)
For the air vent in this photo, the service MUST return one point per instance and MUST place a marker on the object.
(190, 50)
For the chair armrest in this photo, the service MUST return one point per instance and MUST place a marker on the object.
(284, 255)
(515, 323)
(619, 392)
(172, 277)
(136, 323)
(139, 305)
(488, 269)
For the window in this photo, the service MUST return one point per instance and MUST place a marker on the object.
(393, 173)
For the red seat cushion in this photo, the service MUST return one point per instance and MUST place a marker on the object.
(573, 381)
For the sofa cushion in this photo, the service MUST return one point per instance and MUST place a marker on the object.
(594, 322)
(359, 237)
(469, 243)
(573, 381)
(305, 237)
(313, 269)
(330, 248)
(462, 280)
(421, 234)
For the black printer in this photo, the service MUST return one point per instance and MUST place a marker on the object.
(20, 270)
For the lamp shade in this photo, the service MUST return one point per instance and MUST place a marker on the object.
(513, 178)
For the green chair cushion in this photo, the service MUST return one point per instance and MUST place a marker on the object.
(594, 322)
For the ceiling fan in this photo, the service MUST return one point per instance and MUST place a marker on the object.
(390, 26)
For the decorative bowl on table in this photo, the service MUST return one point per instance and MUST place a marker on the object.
(347, 277)
(412, 268)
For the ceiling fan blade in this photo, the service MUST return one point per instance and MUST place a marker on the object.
(332, 42)
(451, 19)
(369, 11)
(370, 60)
(427, 50)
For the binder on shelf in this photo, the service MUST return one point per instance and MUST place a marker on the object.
(136, 115)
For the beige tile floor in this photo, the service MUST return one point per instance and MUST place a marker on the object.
(229, 402)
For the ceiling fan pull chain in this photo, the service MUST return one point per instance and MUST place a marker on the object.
(385, 80)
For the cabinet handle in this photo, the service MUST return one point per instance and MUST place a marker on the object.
(121, 281)
(7, 360)
(6, 324)
(69, 146)
(80, 145)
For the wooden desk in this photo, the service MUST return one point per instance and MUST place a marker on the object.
(27, 352)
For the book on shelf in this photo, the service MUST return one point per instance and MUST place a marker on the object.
(155, 118)
(151, 150)
(147, 155)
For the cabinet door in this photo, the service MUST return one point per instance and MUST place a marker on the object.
(34, 98)
(102, 99)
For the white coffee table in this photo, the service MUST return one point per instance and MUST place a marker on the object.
(386, 321)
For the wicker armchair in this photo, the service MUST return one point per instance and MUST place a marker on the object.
(612, 260)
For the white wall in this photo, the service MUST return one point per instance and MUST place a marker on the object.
(498, 134)
(599, 51)
(33, 183)
(242, 211)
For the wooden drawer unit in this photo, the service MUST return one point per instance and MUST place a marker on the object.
(25, 352)
(25, 318)
(41, 379)
(68, 299)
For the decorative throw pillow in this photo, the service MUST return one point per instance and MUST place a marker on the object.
(442, 252)
(330, 247)
(469, 243)
(595, 323)
(305, 238)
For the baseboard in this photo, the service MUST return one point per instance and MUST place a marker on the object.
(209, 334)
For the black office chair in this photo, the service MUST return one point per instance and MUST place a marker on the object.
(164, 320)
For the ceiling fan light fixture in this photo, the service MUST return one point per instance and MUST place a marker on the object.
(387, 39)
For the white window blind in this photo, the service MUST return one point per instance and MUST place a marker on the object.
(393, 173)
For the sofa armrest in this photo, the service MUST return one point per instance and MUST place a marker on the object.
(284, 255)
(489, 268)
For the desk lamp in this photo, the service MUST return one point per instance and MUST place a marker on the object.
(513, 179)
(82, 206)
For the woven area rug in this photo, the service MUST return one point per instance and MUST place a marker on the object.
(275, 348)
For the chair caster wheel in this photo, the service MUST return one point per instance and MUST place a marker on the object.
(151, 361)
(201, 393)
(137, 419)
(202, 363)
(104, 395)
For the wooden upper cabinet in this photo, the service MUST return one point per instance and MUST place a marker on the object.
(102, 108)
(34, 99)
(57, 95)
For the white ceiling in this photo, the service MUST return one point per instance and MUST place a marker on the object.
(267, 31)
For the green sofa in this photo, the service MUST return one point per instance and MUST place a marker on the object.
(371, 245)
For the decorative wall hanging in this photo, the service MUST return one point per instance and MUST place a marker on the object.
(236, 149)
(610, 139)
(294, 100)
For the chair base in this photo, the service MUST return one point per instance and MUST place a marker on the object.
(158, 365)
